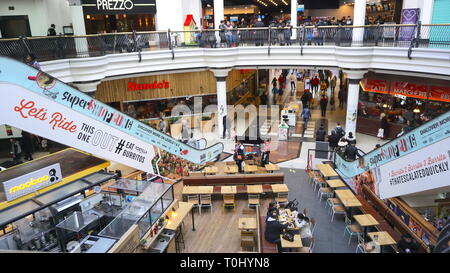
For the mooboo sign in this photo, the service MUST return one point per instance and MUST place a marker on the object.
(119, 6)
(32, 182)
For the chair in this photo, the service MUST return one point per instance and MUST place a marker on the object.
(193, 199)
(228, 201)
(253, 200)
(324, 191)
(282, 198)
(319, 182)
(179, 239)
(248, 240)
(205, 201)
(351, 229)
(337, 209)
(230, 163)
(248, 211)
(361, 244)
(332, 201)
(308, 249)
(313, 225)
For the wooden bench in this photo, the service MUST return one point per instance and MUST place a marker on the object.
(266, 247)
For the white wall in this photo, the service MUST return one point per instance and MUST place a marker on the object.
(41, 13)
(425, 6)
(169, 14)
(193, 7)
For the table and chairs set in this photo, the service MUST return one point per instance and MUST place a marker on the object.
(341, 201)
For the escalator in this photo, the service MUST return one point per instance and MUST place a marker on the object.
(38, 103)
(414, 162)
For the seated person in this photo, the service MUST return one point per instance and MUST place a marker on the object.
(407, 244)
(351, 138)
(294, 212)
(274, 229)
(302, 222)
(273, 206)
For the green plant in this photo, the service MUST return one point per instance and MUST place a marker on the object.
(173, 120)
(206, 118)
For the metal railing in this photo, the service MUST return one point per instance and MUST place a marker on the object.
(386, 35)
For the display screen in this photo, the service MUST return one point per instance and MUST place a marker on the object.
(322, 4)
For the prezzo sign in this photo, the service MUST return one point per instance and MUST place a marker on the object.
(119, 6)
(32, 182)
(36, 114)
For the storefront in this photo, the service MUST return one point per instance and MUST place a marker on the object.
(150, 97)
(407, 101)
(119, 16)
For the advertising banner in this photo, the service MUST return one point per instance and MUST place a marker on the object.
(40, 116)
(427, 134)
(55, 91)
(32, 181)
(419, 171)
(409, 16)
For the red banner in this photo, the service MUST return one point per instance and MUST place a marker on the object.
(412, 90)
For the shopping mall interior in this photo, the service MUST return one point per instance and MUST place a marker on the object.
(225, 126)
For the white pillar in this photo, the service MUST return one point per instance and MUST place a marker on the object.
(359, 16)
(79, 28)
(294, 18)
(88, 87)
(221, 78)
(218, 12)
(354, 77)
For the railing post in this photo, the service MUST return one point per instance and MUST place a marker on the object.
(419, 27)
(270, 40)
(59, 45)
(169, 39)
(102, 45)
(24, 45)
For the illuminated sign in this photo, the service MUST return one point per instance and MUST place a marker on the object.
(133, 86)
(119, 6)
(32, 182)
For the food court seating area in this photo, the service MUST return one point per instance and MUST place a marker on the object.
(230, 168)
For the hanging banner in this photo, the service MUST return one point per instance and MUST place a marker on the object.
(46, 118)
(426, 134)
(407, 89)
(53, 90)
(409, 16)
(422, 170)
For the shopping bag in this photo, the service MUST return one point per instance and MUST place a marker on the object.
(380, 133)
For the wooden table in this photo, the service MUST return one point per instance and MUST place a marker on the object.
(250, 223)
(228, 190)
(198, 190)
(280, 188)
(176, 219)
(211, 170)
(231, 169)
(254, 189)
(250, 168)
(297, 243)
(348, 199)
(272, 167)
(326, 170)
(366, 220)
(384, 239)
(335, 183)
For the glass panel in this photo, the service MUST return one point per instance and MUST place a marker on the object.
(77, 221)
(144, 224)
(167, 199)
(130, 185)
(97, 177)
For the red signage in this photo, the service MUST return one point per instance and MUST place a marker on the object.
(133, 86)
(413, 90)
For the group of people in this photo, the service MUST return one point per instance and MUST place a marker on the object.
(239, 154)
(339, 142)
(275, 227)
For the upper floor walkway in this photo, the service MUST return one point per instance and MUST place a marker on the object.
(411, 49)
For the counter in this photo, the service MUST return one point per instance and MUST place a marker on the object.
(370, 126)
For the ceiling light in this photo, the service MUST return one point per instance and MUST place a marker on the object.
(284, 2)
(271, 1)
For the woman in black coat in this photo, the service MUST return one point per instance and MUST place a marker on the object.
(384, 124)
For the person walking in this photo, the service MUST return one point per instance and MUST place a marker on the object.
(280, 32)
(306, 114)
(315, 85)
(333, 141)
(293, 80)
(162, 126)
(321, 133)
(226, 127)
(324, 104)
(238, 155)
(266, 153)
(16, 150)
(384, 126)
(223, 39)
(306, 98)
(229, 33)
(258, 33)
(27, 145)
(51, 30)
(185, 131)
(333, 84)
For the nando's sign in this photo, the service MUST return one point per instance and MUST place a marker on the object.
(119, 6)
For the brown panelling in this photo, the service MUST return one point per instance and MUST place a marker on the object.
(248, 179)
(180, 84)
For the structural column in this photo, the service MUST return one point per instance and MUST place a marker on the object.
(88, 88)
(359, 16)
(79, 28)
(221, 78)
(354, 77)
(294, 4)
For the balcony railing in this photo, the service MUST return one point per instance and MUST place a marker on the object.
(387, 35)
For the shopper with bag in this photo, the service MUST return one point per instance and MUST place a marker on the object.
(238, 155)
(384, 126)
